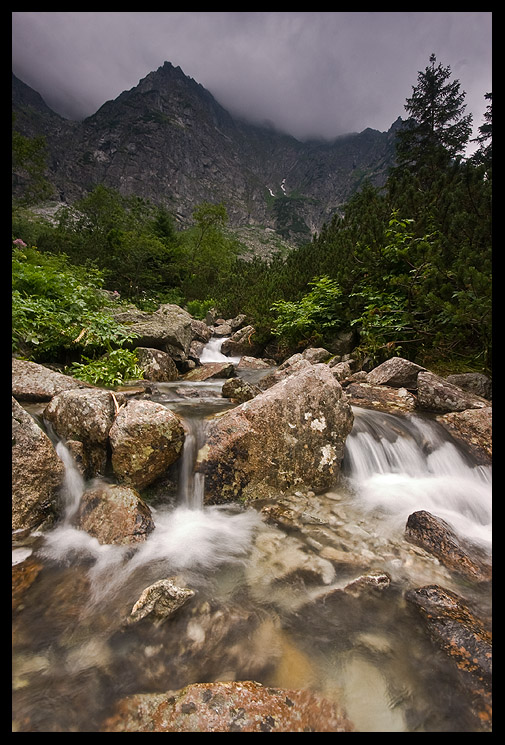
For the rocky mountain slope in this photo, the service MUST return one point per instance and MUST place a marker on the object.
(168, 140)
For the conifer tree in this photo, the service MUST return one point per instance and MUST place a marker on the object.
(438, 127)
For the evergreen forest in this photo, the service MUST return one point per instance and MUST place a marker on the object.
(407, 266)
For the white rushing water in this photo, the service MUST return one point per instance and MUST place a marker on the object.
(212, 352)
(398, 465)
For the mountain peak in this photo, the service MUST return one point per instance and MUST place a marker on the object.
(168, 140)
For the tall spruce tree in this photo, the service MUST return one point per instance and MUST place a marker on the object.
(437, 127)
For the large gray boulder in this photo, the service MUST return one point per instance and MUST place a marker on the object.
(396, 372)
(438, 395)
(34, 382)
(145, 439)
(291, 436)
(37, 473)
(474, 382)
(85, 416)
(169, 328)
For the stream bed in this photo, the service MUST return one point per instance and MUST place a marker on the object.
(263, 608)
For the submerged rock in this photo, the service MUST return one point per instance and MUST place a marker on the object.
(160, 601)
(462, 636)
(238, 706)
(291, 435)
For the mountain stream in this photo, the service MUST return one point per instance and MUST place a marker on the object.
(262, 608)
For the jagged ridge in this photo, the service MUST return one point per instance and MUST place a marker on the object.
(168, 140)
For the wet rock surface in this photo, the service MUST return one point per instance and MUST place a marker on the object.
(243, 706)
(159, 601)
(37, 473)
(463, 637)
(145, 438)
(114, 514)
(437, 537)
(291, 434)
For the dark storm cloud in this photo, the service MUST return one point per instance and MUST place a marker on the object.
(317, 74)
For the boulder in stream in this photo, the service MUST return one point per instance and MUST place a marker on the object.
(160, 601)
(85, 416)
(437, 537)
(473, 429)
(146, 438)
(290, 436)
(37, 473)
(114, 514)
(156, 365)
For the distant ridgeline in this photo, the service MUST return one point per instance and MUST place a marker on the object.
(168, 140)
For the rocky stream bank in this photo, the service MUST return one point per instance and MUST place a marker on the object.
(274, 447)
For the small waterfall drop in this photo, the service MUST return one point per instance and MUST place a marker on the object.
(212, 352)
(398, 465)
(73, 486)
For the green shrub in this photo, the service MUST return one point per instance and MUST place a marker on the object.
(58, 310)
(116, 368)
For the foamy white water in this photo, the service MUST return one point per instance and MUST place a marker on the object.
(212, 352)
(397, 466)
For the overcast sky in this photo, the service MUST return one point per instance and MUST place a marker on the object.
(318, 74)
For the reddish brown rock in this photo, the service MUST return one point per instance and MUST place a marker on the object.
(463, 637)
(115, 514)
(436, 536)
(210, 370)
(380, 397)
(227, 707)
(474, 429)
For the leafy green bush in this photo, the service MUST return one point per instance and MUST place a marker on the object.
(58, 310)
(115, 368)
(317, 313)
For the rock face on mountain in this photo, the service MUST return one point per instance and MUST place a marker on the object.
(168, 140)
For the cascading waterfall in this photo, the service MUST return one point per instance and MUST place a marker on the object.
(398, 465)
(212, 352)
